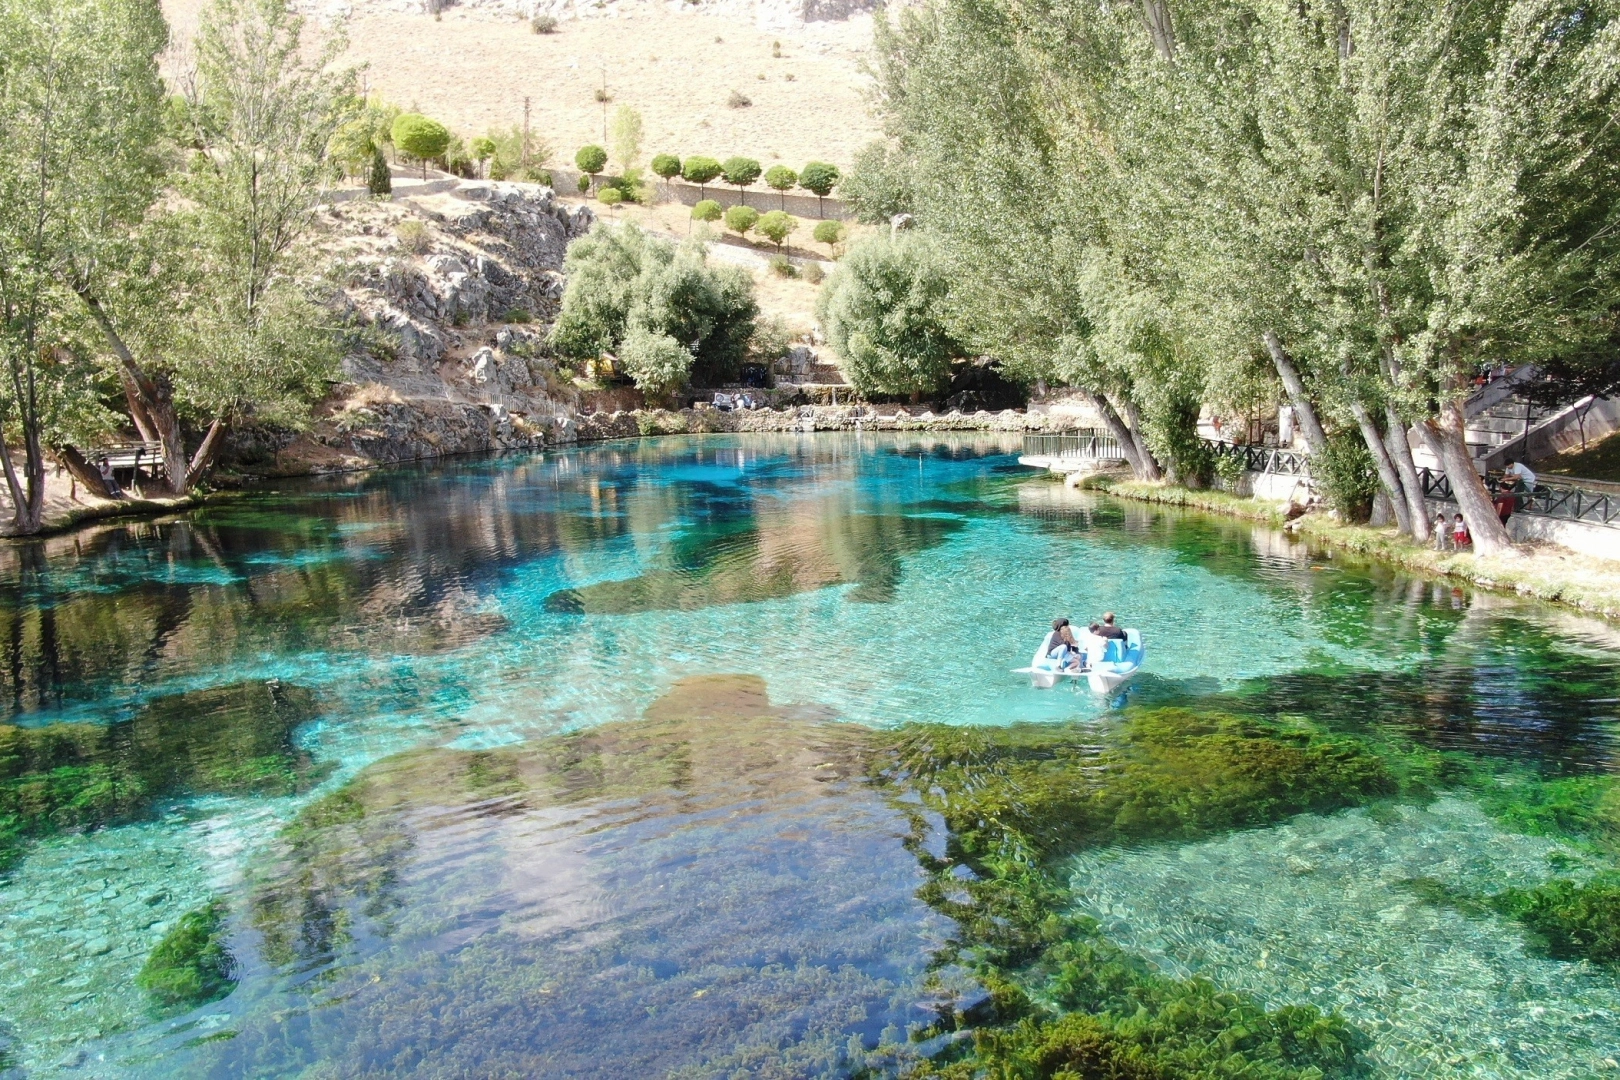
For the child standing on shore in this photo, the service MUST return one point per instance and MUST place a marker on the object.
(1459, 533)
(1442, 532)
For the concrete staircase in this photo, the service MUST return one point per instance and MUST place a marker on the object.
(1502, 424)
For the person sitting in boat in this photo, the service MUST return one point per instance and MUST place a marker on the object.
(1108, 630)
(1062, 647)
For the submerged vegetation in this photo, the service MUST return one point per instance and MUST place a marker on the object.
(191, 965)
(233, 740)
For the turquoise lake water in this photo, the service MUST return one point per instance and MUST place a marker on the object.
(695, 902)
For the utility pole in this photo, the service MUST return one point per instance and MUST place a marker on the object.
(525, 154)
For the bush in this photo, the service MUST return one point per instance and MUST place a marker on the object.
(812, 272)
(510, 162)
(421, 138)
(878, 185)
(1347, 475)
(700, 170)
(666, 166)
(655, 362)
(740, 172)
(831, 233)
(483, 149)
(782, 266)
(884, 313)
(707, 210)
(543, 24)
(781, 179)
(738, 100)
(413, 236)
(584, 184)
(621, 280)
(591, 160)
(379, 181)
(739, 219)
(610, 196)
(777, 227)
(771, 340)
(818, 178)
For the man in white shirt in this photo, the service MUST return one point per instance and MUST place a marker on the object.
(1518, 470)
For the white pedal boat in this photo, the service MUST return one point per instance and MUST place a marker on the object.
(1108, 663)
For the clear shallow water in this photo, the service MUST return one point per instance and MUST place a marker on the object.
(765, 917)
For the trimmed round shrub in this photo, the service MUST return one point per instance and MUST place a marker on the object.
(700, 170)
(584, 184)
(591, 159)
(777, 226)
(829, 232)
(421, 138)
(818, 178)
(740, 171)
(739, 219)
(610, 196)
(707, 210)
(666, 166)
(781, 179)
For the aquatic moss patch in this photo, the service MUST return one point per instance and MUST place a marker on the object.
(1169, 773)
(233, 740)
(1568, 920)
(1067, 1001)
(191, 965)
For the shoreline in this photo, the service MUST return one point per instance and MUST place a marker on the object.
(1539, 572)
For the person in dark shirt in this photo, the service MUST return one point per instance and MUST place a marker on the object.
(1108, 629)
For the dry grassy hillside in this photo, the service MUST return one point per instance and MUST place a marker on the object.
(677, 64)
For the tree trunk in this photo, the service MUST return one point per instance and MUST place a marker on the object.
(1121, 433)
(1387, 476)
(1304, 411)
(1400, 452)
(83, 471)
(1156, 15)
(1445, 439)
(156, 400)
(203, 459)
(1133, 421)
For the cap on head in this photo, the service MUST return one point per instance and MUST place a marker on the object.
(1108, 618)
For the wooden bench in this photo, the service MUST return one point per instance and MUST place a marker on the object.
(134, 456)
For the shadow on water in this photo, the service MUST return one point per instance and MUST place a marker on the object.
(715, 889)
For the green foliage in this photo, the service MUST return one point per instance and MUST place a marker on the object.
(666, 166)
(379, 181)
(782, 179)
(771, 340)
(584, 184)
(777, 226)
(627, 136)
(740, 172)
(740, 219)
(510, 162)
(610, 196)
(419, 136)
(812, 273)
(591, 159)
(622, 280)
(879, 184)
(354, 144)
(884, 310)
(1346, 474)
(483, 148)
(830, 232)
(818, 178)
(656, 362)
(782, 266)
(699, 170)
(707, 210)
(191, 965)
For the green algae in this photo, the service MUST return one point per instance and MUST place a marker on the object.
(1067, 1001)
(191, 965)
(1568, 920)
(232, 740)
